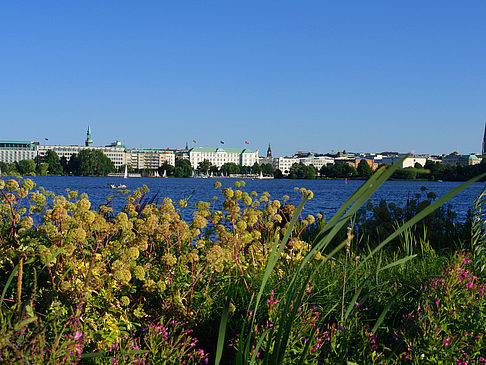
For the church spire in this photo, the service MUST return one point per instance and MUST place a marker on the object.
(269, 152)
(484, 141)
(89, 141)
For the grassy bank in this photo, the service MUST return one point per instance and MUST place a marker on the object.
(255, 281)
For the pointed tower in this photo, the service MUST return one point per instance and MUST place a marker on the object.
(269, 152)
(484, 141)
(89, 141)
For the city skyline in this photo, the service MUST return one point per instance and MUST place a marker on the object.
(320, 77)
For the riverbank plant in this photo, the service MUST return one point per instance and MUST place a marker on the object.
(253, 280)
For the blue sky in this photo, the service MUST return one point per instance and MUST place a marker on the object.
(302, 75)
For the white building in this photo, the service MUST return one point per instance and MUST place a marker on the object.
(219, 156)
(15, 151)
(285, 163)
(318, 162)
(408, 162)
(115, 153)
(149, 158)
(456, 159)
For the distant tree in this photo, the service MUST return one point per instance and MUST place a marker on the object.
(91, 162)
(41, 168)
(339, 170)
(230, 168)
(203, 167)
(25, 167)
(214, 169)
(183, 168)
(256, 169)
(246, 170)
(267, 169)
(301, 171)
(167, 168)
(364, 169)
(52, 159)
(64, 164)
(277, 174)
(3, 167)
(408, 173)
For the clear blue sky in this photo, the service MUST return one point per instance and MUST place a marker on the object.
(302, 75)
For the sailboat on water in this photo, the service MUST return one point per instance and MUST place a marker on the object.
(125, 175)
(165, 174)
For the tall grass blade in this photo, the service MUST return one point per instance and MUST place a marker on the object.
(222, 331)
(421, 215)
(7, 284)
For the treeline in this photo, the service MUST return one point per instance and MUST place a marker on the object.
(431, 171)
(183, 168)
(85, 163)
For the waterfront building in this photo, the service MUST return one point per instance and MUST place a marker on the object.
(268, 159)
(15, 151)
(149, 158)
(115, 153)
(219, 156)
(457, 159)
(317, 161)
(371, 162)
(285, 163)
(410, 161)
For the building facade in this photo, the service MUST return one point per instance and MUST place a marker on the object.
(219, 156)
(116, 154)
(149, 158)
(15, 151)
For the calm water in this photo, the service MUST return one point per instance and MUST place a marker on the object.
(328, 194)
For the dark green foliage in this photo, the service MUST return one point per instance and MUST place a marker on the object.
(230, 168)
(256, 168)
(90, 162)
(338, 170)
(204, 167)
(267, 169)
(364, 169)
(26, 167)
(183, 168)
(167, 168)
(52, 159)
(301, 171)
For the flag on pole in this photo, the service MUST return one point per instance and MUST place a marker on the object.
(46, 139)
(194, 140)
(246, 142)
(222, 142)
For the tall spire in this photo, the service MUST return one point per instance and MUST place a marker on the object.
(89, 141)
(269, 152)
(484, 141)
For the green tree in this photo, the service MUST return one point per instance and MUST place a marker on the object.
(64, 164)
(167, 168)
(277, 174)
(267, 169)
(91, 162)
(230, 168)
(256, 169)
(3, 167)
(183, 168)
(364, 169)
(52, 159)
(25, 167)
(301, 171)
(203, 167)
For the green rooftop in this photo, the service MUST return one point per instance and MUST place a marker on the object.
(228, 150)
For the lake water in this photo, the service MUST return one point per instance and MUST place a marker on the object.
(328, 194)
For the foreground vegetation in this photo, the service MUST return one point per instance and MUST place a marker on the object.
(254, 280)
